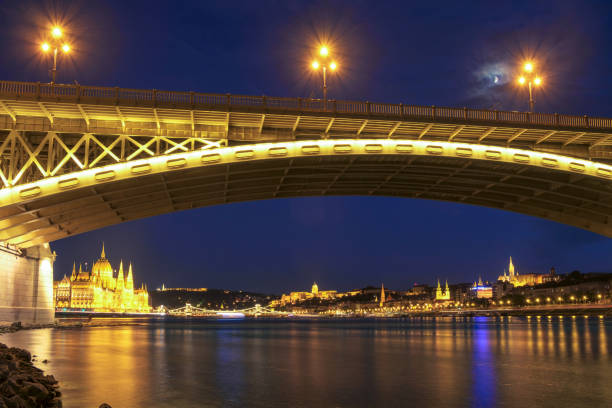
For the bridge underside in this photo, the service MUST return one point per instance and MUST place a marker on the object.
(580, 200)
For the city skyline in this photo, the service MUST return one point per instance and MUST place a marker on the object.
(348, 241)
(305, 203)
(116, 265)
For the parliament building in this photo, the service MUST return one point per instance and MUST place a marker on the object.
(99, 290)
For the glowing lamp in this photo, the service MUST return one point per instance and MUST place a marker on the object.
(45, 47)
(315, 65)
(537, 81)
(56, 32)
(65, 48)
(324, 51)
(528, 67)
(333, 66)
(521, 80)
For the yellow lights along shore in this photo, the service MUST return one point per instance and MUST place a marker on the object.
(268, 151)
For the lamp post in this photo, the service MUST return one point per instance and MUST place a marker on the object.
(55, 44)
(532, 80)
(325, 63)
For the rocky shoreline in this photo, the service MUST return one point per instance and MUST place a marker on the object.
(22, 385)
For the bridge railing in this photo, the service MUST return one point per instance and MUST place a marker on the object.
(194, 100)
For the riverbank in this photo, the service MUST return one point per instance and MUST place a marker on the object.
(24, 385)
(586, 310)
(69, 323)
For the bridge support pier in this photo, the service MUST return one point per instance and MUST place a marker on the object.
(26, 284)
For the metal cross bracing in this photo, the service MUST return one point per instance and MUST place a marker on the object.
(51, 129)
(30, 156)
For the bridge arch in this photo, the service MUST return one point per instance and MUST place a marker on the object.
(568, 190)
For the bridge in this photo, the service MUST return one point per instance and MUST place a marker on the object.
(77, 158)
(255, 311)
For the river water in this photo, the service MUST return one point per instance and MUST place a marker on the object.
(418, 362)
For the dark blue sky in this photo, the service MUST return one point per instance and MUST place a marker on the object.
(454, 53)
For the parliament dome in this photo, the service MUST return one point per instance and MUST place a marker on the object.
(102, 267)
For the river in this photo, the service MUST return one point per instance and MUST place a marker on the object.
(420, 362)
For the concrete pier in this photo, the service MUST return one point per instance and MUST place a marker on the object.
(26, 284)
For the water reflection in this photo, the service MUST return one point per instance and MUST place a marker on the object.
(451, 362)
(483, 373)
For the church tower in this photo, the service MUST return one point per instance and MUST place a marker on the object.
(438, 291)
(442, 295)
(511, 269)
(382, 295)
(315, 289)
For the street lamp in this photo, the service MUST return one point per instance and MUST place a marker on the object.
(325, 63)
(55, 44)
(531, 79)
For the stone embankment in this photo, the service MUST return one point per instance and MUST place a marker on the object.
(22, 385)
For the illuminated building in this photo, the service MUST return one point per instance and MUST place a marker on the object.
(528, 279)
(483, 291)
(442, 295)
(382, 295)
(100, 291)
(297, 297)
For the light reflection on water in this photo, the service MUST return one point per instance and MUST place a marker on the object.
(425, 362)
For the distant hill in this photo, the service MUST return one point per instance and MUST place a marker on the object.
(209, 299)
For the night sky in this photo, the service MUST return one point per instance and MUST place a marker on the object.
(454, 53)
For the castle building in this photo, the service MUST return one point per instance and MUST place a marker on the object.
(297, 297)
(442, 295)
(100, 290)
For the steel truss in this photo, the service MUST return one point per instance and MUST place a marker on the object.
(31, 156)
